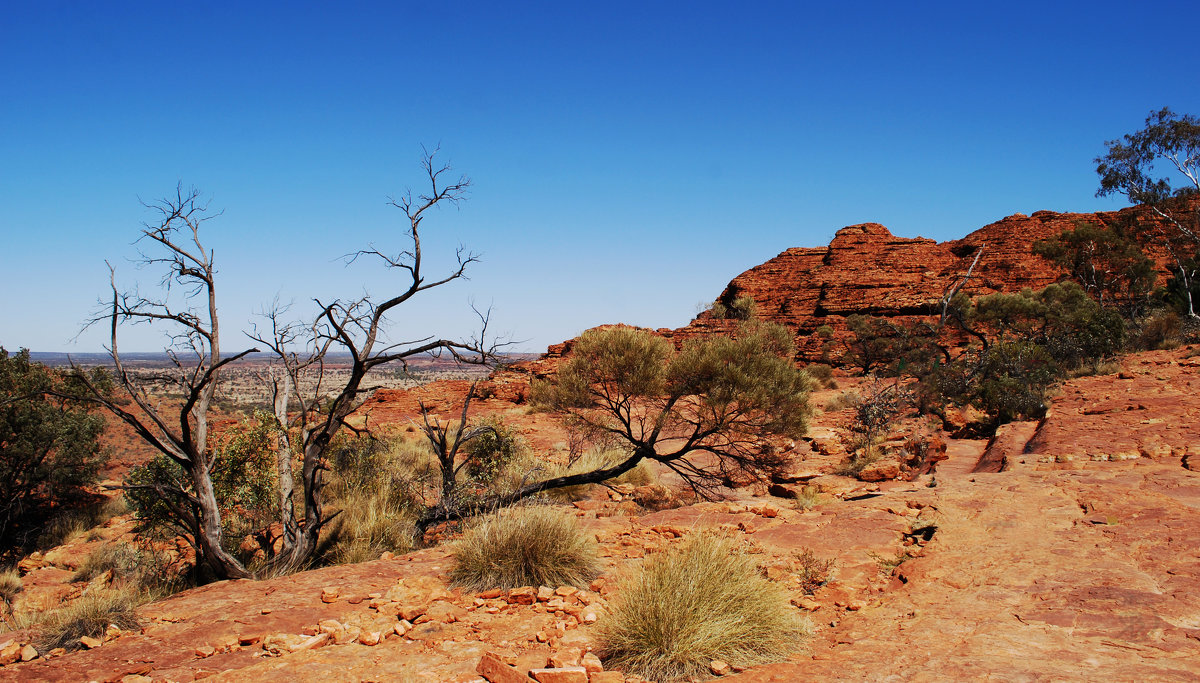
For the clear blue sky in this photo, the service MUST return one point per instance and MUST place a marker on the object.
(628, 159)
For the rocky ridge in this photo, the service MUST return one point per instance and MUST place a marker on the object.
(868, 270)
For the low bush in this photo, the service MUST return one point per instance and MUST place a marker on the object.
(812, 571)
(807, 498)
(844, 400)
(1163, 331)
(822, 373)
(491, 452)
(700, 601)
(89, 615)
(524, 546)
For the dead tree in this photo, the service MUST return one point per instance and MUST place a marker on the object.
(356, 327)
(195, 354)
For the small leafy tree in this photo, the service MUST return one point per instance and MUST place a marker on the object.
(1106, 261)
(49, 442)
(1128, 169)
(891, 347)
(1029, 341)
(706, 411)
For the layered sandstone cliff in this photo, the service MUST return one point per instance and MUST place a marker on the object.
(868, 270)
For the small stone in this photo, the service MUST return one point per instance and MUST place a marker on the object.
(370, 638)
(401, 627)
(606, 677)
(592, 663)
(496, 671)
(525, 595)
(113, 631)
(569, 674)
(10, 651)
(250, 639)
(312, 643)
(329, 594)
(542, 636)
(588, 615)
(28, 653)
(90, 642)
(565, 591)
(205, 651)
(136, 678)
(491, 593)
(330, 626)
(346, 635)
(544, 593)
(718, 667)
(56, 652)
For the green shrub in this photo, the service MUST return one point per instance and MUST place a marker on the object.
(740, 308)
(49, 446)
(524, 546)
(702, 600)
(491, 452)
(822, 373)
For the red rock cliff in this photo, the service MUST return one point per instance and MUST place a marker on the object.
(867, 270)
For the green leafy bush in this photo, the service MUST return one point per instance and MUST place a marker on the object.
(702, 600)
(49, 445)
(491, 452)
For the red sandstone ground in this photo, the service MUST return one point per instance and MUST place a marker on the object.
(1079, 561)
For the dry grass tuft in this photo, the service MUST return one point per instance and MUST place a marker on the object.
(10, 586)
(700, 601)
(123, 559)
(89, 615)
(843, 401)
(808, 497)
(376, 492)
(524, 546)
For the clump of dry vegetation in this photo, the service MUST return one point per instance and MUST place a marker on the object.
(10, 587)
(90, 615)
(531, 545)
(700, 601)
(375, 493)
(812, 571)
(122, 558)
(808, 497)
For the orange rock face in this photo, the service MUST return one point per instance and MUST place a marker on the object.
(868, 270)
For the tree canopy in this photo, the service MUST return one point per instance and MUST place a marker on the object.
(49, 443)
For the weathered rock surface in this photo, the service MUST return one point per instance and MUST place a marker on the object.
(868, 270)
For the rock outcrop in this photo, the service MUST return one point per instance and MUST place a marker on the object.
(868, 270)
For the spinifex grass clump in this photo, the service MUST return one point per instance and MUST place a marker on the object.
(701, 601)
(524, 546)
(90, 615)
